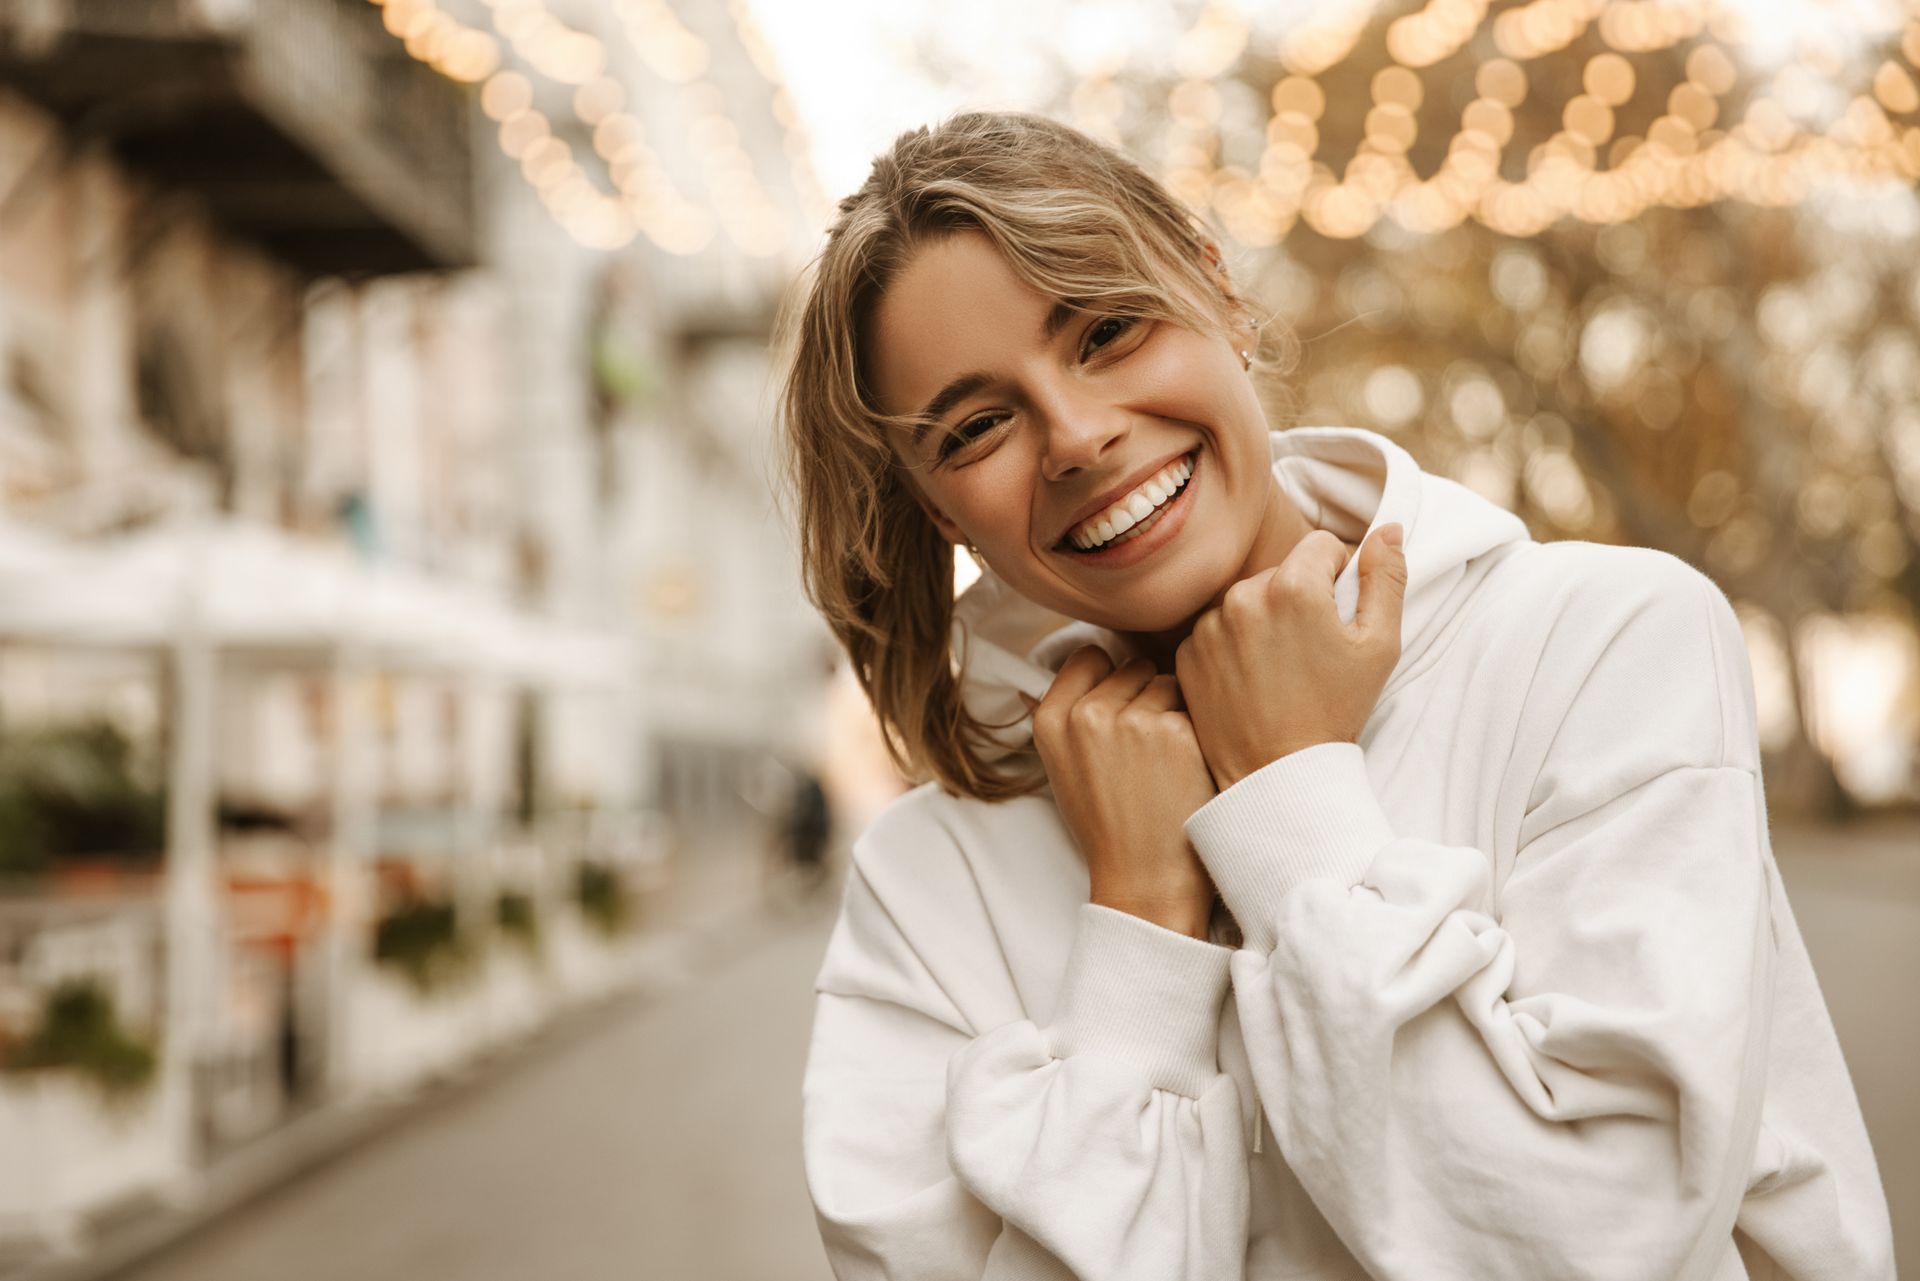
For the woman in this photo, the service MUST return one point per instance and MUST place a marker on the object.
(1317, 878)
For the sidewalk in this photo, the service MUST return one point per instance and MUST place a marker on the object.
(1855, 892)
(719, 905)
(656, 1133)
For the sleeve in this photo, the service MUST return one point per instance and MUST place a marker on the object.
(1102, 1145)
(1563, 1079)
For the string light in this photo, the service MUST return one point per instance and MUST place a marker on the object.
(813, 198)
(1642, 26)
(1319, 43)
(438, 39)
(1435, 32)
(741, 204)
(1895, 89)
(1543, 26)
(1212, 44)
(1775, 154)
(645, 200)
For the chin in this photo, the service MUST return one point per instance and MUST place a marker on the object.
(1160, 609)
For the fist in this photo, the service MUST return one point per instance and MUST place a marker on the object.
(1272, 668)
(1127, 773)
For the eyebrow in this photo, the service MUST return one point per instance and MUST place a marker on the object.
(963, 386)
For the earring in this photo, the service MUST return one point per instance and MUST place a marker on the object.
(1246, 359)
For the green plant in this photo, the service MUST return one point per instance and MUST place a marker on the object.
(421, 938)
(73, 791)
(620, 374)
(514, 914)
(80, 1030)
(602, 897)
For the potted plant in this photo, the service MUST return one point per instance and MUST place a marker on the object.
(84, 1124)
(73, 798)
(517, 920)
(79, 1030)
(420, 937)
(601, 895)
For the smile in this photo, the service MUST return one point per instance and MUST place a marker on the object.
(1134, 515)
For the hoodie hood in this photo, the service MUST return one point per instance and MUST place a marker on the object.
(1343, 480)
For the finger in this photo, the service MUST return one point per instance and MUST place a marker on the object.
(1126, 681)
(1161, 694)
(1383, 582)
(1084, 668)
(1317, 558)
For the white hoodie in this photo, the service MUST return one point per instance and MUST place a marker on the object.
(1519, 994)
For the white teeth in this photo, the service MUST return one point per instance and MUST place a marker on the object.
(1132, 510)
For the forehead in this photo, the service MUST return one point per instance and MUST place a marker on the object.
(955, 307)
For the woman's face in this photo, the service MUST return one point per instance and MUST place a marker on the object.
(1050, 423)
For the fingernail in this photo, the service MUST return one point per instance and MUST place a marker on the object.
(1393, 535)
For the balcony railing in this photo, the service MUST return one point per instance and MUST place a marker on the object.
(302, 123)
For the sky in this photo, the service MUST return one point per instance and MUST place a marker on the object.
(857, 72)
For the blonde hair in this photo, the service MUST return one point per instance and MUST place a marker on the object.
(1075, 220)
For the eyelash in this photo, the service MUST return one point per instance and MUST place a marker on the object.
(956, 439)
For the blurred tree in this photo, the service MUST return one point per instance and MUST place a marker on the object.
(1577, 256)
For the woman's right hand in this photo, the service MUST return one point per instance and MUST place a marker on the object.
(1127, 773)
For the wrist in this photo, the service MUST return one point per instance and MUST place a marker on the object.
(1183, 912)
(1233, 770)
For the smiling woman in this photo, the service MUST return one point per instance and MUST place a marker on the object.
(994, 277)
(1472, 826)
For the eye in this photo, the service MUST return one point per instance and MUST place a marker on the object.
(1105, 331)
(969, 431)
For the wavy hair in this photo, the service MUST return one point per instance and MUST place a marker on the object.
(1076, 220)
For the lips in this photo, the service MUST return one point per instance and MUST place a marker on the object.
(1109, 497)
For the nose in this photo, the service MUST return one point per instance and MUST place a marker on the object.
(1080, 429)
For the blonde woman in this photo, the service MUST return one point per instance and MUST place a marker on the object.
(1314, 877)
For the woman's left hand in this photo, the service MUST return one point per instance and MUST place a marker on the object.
(1272, 669)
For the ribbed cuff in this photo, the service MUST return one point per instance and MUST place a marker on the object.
(1312, 813)
(1146, 994)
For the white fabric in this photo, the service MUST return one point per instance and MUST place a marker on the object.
(1520, 994)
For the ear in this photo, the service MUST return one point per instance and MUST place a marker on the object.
(1219, 264)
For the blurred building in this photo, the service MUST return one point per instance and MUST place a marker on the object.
(382, 390)
(645, 375)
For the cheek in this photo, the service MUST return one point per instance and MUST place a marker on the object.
(1172, 367)
(990, 501)
(1182, 378)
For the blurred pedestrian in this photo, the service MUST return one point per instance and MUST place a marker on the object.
(808, 825)
(1472, 826)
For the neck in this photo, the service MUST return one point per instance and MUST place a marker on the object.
(1281, 527)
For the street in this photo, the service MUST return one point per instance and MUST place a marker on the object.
(664, 1142)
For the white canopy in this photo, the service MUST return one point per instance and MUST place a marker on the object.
(249, 587)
